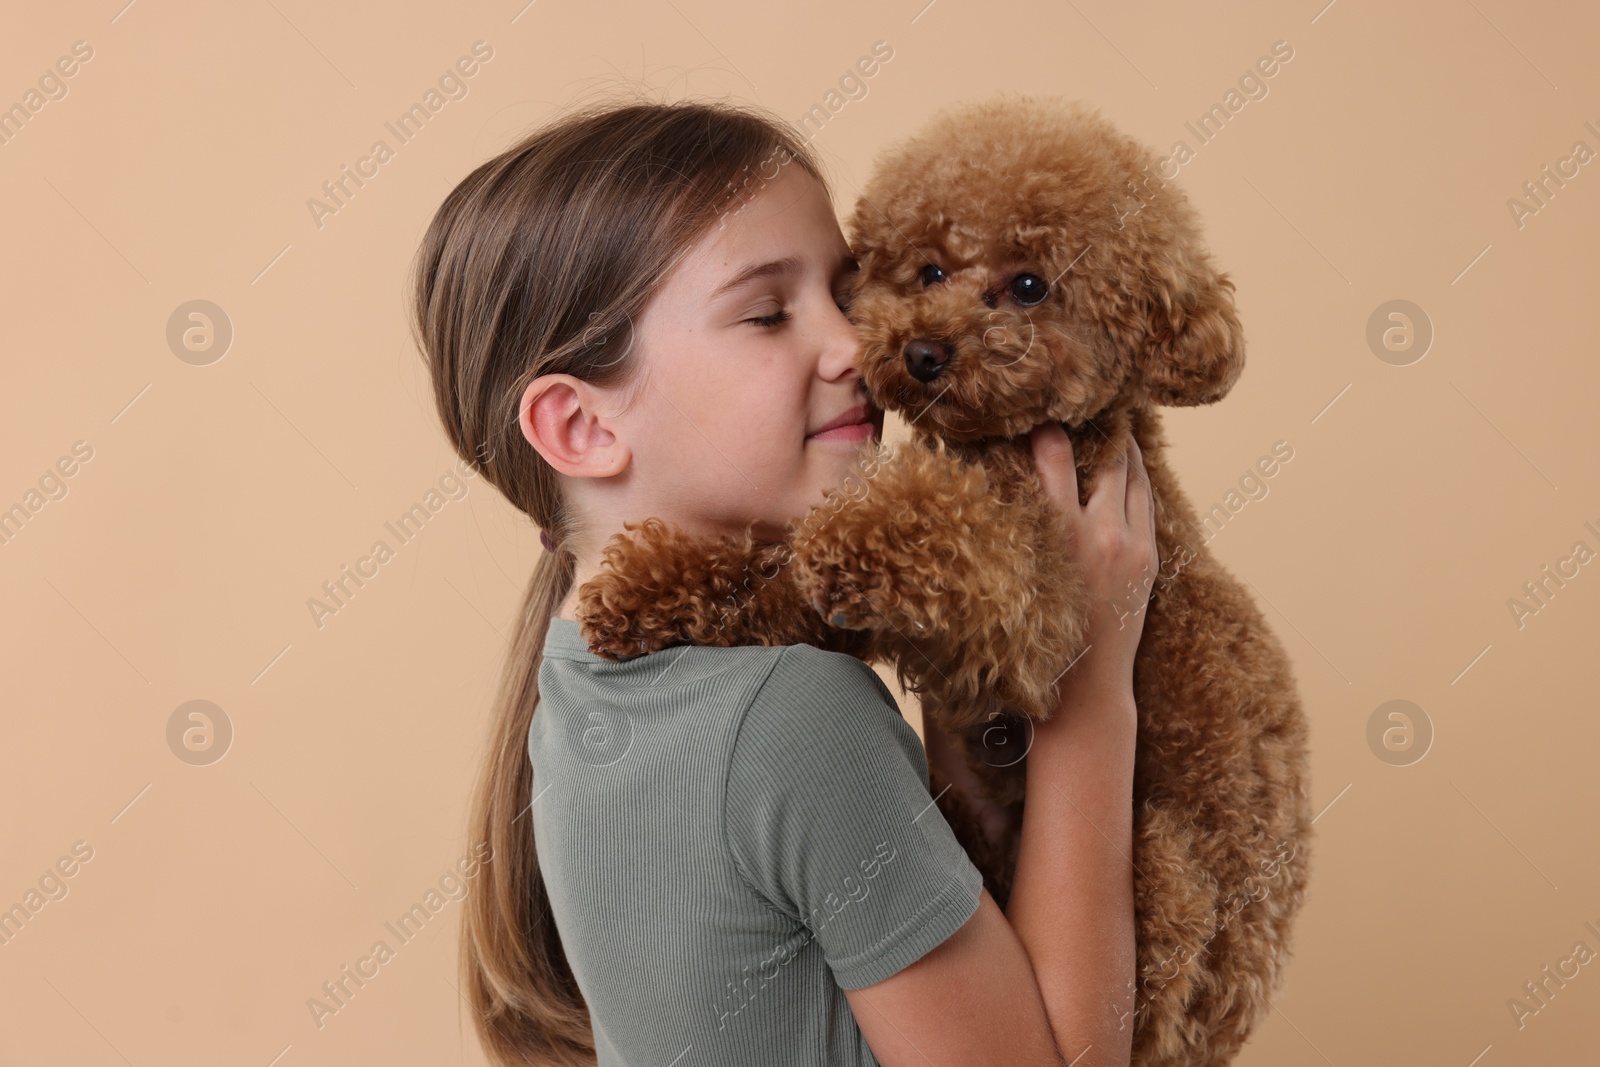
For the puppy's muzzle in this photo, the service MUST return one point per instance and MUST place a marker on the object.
(926, 359)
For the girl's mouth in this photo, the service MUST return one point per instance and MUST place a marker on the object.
(855, 425)
(854, 432)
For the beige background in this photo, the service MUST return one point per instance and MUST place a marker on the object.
(219, 498)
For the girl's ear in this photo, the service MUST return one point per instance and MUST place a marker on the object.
(559, 418)
(1194, 346)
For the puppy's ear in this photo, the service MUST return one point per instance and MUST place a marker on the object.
(1194, 346)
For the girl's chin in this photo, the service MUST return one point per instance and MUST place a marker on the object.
(765, 532)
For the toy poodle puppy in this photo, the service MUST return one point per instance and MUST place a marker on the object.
(1021, 261)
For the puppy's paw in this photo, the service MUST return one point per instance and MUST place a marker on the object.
(838, 597)
(650, 594)
(611, 629)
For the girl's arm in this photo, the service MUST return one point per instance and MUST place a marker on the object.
(1072, 895)
(1051, 980)
(1072, 898)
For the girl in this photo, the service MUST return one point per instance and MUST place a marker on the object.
(730, 855)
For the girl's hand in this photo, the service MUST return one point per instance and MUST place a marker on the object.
(1114, 541)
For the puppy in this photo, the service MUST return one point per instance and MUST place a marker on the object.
(1021, 261)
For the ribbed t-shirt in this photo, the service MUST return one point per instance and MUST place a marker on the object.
(730, 838)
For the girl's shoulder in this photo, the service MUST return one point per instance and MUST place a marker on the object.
(797, 666)
(755, 698)
(818, 698)
(785, 667)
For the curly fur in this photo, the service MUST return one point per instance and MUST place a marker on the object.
(946, 559)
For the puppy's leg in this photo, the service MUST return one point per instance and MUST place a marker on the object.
(659, 586)
(1223, 808)
(985, 828)
(1021, 640)
(968, 826)
(882, 560)
(926, 548)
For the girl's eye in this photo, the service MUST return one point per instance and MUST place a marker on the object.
(931, 275)
(777, 318)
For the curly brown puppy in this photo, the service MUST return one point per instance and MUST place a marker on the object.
(1021, 261)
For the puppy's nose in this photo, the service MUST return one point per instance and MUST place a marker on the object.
(926, 359)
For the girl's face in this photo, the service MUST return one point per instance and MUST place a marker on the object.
(747, 356)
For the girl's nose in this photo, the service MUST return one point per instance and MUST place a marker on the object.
(840, 348)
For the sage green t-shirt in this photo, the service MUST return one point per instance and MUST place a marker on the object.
(730, 838)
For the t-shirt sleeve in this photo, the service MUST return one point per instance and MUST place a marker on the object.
(828, 817)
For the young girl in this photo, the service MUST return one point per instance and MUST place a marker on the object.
(730, 855)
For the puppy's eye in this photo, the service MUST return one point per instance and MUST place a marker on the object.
(931, 275)
(1029, 289)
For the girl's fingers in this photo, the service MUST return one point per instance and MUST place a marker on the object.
(1052, 456)
(1111, 487)
(1140, 498)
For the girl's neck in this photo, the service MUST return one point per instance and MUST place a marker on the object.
(581, 574)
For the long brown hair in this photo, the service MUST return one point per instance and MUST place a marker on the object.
(537, 263)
